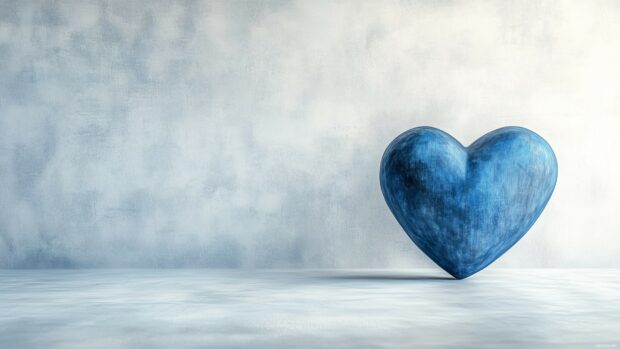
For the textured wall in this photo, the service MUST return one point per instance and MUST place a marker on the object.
(249, 134)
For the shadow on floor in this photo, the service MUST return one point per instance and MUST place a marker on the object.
(386, 277)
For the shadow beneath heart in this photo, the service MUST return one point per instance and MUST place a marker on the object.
(386, 277)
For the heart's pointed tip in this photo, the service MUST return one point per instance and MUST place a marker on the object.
(460, 276)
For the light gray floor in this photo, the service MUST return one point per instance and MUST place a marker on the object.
(309, 309)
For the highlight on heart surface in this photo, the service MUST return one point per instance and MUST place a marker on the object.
(466, 206)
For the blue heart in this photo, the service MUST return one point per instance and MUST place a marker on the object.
(465, 206)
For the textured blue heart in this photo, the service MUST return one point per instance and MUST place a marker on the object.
(465, 206)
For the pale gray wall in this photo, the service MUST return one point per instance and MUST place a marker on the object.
(249, 134)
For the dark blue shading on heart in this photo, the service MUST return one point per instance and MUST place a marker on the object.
(465, 207)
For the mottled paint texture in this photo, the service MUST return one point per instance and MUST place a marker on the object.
(247, 134)
(465, 207)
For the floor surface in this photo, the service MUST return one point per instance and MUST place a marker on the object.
(552, 308)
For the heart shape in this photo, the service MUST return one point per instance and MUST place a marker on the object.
(465, 206)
